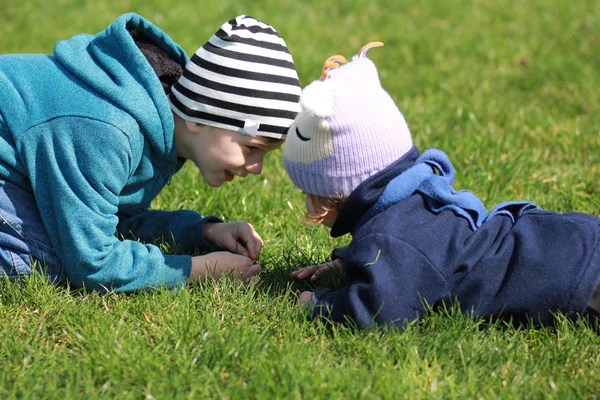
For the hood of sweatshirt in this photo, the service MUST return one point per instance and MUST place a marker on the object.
(112, 66)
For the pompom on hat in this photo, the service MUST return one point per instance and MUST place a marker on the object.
(243, 79)
(349, 128)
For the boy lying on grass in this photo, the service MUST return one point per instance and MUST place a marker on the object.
(416, 240)
(92, 133)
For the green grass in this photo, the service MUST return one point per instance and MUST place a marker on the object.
(509, 89)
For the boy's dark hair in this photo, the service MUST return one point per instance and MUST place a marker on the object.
(166, 68)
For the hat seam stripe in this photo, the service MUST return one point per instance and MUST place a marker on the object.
(242, 108)
(247, 57)
(226, 104)
(251, 42)
(192, 68)
(206, 116)
(274, 128)
(240, 91)
(253, 39)
(229, 113)
(247, 20)
(236, 73)
(245, 49)
(232, 62)
(226, 121)
(255, 29)
(249, 32)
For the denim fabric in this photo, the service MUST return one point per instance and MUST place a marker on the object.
(24, 243)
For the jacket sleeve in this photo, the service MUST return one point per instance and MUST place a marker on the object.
(183, 227)
(76, 186)
(390, 284)
(339, 253)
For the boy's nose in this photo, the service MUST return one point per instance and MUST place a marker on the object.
(254, 168)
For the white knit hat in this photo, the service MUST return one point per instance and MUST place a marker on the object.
(348, 130)
(243, 79)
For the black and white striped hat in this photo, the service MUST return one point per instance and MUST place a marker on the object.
(243, 79)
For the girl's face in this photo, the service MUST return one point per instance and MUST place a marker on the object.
(221, 155)
(328, 219)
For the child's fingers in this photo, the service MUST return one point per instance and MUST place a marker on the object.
(251, 274)
(297, 274)
(318, 271)
(233, 244)
(304, 298)
(257, 244)
(252, 241)
(323, 269)
(315, 271)
(312, 271)
(303, 273)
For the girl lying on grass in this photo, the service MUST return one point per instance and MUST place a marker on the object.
(416, 240)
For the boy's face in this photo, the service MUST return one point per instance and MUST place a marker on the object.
(222, 155)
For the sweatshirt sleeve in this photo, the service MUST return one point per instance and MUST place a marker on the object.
(390, 284)
(184, 227)
(76, 186)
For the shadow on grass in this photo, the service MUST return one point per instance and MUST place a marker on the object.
(276, 279)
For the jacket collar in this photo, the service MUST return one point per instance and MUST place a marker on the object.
(367, 193)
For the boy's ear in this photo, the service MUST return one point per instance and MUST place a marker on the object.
(193, 126)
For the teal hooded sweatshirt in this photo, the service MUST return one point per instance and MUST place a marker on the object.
(89, 131)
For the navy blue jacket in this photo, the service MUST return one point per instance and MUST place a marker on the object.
(416, 240)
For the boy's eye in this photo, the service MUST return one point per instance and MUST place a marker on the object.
(303, 138)
(252, 148)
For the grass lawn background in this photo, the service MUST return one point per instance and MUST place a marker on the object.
(508, 89)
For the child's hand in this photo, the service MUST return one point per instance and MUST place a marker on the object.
(317, 271)
(221, 263)
(304, 298)
(237, 237)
